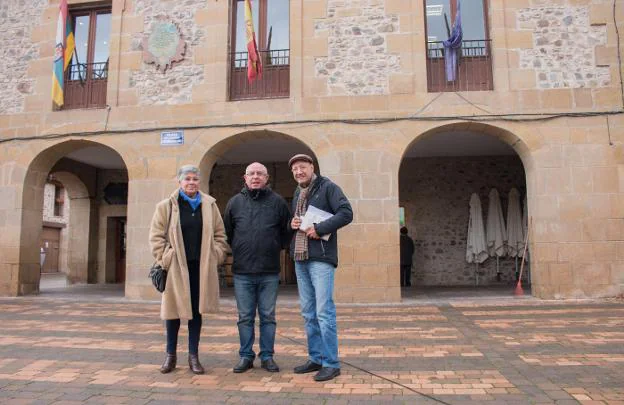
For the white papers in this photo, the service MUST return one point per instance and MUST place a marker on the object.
(314, 216)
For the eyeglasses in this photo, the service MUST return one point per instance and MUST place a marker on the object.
(258, 173)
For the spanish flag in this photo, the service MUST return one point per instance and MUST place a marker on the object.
(254, 63)
(62, 53)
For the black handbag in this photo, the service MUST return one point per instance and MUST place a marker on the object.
(157, 273)
(158, 276)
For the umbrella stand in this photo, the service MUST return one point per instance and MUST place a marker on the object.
(519, 290)
(516, 258)
(498, 276)
(477, 273)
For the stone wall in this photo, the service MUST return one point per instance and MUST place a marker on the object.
(175, 86)
(358, 62)
(435, 193)
(17, 20)
(564, 47)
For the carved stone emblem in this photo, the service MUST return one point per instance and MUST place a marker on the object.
(164, 45)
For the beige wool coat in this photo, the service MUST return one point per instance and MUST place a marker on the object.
(176, 299)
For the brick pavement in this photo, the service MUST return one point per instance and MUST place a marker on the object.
(78, 348)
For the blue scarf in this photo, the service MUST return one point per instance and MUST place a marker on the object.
(194, 202)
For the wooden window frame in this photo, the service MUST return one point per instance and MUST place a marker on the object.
(90, 92)
(476, 74)
(59, 198)
(275, 81)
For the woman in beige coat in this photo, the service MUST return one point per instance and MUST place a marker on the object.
(196, 246)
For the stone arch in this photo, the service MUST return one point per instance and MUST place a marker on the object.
(74, 258)
(516, 141)
(511, 138)
(219, 150)
(25, 264)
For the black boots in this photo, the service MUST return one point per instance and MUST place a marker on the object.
(195, 365)
(308, 367)
(169, 364)
(269, 365)
(327, 373)
(243, 365)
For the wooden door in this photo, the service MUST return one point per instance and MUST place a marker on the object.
(50, 241)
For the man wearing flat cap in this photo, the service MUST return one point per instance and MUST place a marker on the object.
(315, 251)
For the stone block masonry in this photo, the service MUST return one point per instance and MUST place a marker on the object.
(175, 86)
(17, 21)
(564, 52)
(358, 62)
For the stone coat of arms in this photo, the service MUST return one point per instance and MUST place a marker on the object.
(164, 44)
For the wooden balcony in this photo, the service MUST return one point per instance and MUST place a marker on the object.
(85, 85)
(275, 81)
(474, 67)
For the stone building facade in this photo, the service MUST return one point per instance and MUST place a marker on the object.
(358, 100)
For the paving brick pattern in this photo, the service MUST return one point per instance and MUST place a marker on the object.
(89, 350)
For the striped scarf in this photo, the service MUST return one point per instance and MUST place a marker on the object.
(301, 239)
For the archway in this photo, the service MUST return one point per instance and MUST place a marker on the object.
(65, 213)
(96, 180)
(439, 171)
(224, 166)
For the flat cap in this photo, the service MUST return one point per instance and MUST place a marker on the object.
(300, 157)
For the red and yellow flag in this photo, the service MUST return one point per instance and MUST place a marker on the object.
(254, 63)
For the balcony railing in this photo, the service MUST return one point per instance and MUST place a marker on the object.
(85, 85)
(474, 67)
(275, 81)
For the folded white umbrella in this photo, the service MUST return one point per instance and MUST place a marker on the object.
(515, 228)
(495, 229)
(476, 248)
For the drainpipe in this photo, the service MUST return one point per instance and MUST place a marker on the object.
(123, 8)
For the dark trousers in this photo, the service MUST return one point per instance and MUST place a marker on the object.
(195, 324)
(406, 275)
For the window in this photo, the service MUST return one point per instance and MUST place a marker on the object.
(271, 25)
(87, 74)
(59, 199)
(474, 65)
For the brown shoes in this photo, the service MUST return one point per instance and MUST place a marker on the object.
(169, 364)
(195, 365)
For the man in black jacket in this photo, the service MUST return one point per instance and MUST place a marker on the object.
(315, 250)
(257, 225)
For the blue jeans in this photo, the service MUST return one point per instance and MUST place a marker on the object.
(256, 291)
(315, 281)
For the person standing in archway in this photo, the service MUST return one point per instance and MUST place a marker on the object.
(407, 251)
(315, 250)
(187, 238)
(256, 223)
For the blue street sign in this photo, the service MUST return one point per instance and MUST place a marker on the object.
(172, 138)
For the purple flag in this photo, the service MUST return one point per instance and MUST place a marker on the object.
(452, 47)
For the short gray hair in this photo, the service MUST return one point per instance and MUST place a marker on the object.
(186, 169)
